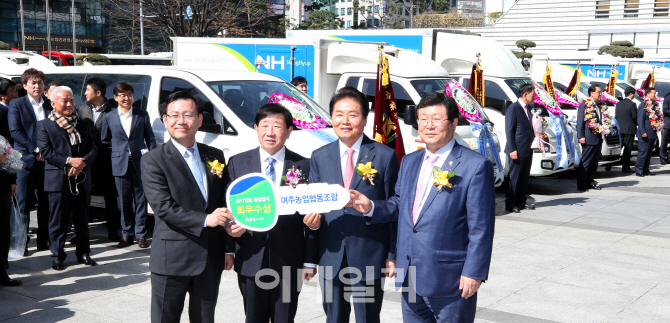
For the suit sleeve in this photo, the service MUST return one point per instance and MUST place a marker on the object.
(480, 207)
(158, 195)
(93, 149)
(666, 107)
(47, 150)
(510, 129)
(16, 127)
(390, 179)
(149, 134)
(580, 122)
(387, 211)
(641, 118)
(106, 134)
(311, 251)
(633, 113)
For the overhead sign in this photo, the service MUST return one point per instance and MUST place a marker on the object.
(256, 204)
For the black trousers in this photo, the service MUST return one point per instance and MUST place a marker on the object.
(27, 181)
(274, 300)
(129, 186)
(168, 294)
(588, 166)
(644, 149)
(60, 205)
(101, 174)
(665, 138)
(367, 297)
(627, 140)
(517, 182)
(5, 217)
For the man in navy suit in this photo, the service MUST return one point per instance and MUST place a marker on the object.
(626, 116)
(646, 136)
(23, 115)
(128, 131)
(346, 241)
(520, 135)
(287, 249)
(665, 134)
(68, 148)
(445, 234)
(591, 142)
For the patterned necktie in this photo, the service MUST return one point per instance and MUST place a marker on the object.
(422, 186)
(195, 170)
(270, 170)
(348, 169)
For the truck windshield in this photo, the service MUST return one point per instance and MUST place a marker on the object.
(428, 86)
(662, 89)
(625, 85)
(246, 97)
(515, 84)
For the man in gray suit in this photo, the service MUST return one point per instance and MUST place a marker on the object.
(190, 243)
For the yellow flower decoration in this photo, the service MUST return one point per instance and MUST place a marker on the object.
(441, 177)
(216, 168)
(367, 172)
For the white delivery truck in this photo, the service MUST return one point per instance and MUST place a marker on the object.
(456, 52)
(13, 63)
(329, 65)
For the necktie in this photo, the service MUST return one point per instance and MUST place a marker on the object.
(195, 170)
(270, 170)
(422, 186)
(529, 115)
(348, 169)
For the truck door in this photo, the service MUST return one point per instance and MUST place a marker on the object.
(212, 119)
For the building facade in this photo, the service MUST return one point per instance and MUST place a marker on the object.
(90, 25)
(373, 14)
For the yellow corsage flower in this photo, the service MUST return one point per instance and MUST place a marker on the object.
(216, 168)
(366, 172)
(441, 177)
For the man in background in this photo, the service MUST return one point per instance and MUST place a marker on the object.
(626, 115)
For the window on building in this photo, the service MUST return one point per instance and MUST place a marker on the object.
(342, 12)
(631, 8)
(414, 11)
(350, 11)
(376, 9)
(362, 24)
(661, 8)
(348, 23)
(603, 9)
(377, 22)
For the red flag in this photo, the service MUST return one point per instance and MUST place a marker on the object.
(387, 127)
(549, 84)
(476, 86)
(648, 82)
(573, 87)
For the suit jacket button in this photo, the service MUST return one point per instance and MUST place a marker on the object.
(342, 233)
(407, 257)
(414, 230)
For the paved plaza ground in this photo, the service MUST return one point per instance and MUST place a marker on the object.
(599, 256)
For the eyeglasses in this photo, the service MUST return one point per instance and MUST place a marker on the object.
(186, 116)
(437, 122)
(123, 96)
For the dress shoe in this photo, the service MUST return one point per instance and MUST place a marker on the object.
(639, 174)
(86, 260)
(42, 247)
(582, 188)
(529, 206)
(142, 243)
(513, 210)
(114, 237)
(125, 242)
(663, 162)
(57, 265)
(6, 281)
(628, 170)
(595, 187)
(649, 174)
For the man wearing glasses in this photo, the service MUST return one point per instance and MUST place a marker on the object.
(591, 141)
(128, 132)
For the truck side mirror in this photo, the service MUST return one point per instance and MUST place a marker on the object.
(410, 116)
(504, 106)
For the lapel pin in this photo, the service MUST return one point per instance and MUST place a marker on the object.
(451, 163)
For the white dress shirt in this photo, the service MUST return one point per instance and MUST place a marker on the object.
(39, 112)
(523, 105)
(278, 164)
(127, 123)
(442, 155)
(3, 103)
(182, 151)
(343, 153)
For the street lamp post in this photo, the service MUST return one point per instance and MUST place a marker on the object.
(23, 30)
(141, 30)
(48, 30)
(74, 37)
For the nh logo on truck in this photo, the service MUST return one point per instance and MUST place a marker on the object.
(270, 62)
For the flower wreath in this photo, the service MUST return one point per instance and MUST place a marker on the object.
(609, 98)
(655, 114)
(302, 117)
(466, 103)
(543, 98)
(566, 99)
(591, 118)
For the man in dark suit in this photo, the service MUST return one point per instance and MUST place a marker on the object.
(128, 132)
(189, 252)
(520, 135)
(345, 238)
(7, 184)
(290, 248)
(646, 135)
(626, 116)
(66, 142)
(445, 233)
(665, 135)
(101, 171)
(591, 142)
(23, 115)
